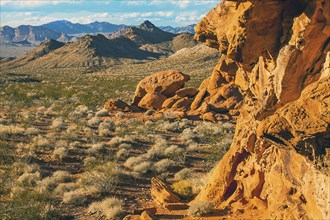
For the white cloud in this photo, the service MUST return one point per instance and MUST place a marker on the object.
(36, 3)
(189, 17)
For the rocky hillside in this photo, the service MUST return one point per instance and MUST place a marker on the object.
(138, 44)
(274, 74)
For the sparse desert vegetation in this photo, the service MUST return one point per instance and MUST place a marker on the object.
(61, 150)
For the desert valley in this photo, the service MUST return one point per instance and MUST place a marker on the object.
(226, 119)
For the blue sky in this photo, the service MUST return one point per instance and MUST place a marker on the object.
(130, 12)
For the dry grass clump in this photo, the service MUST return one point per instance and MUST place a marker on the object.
(29, 179)
(118, 141)
(110, 208)
(133, 161)
(158, 149)
(175, 153)
(103, 177)
(75, 197)
(142, 168)
(102, 113)
(183, 188)
(80, 111)
(50, 183)
(106, 128)
(58, 124)
(183, 174)
(122, 153)
(201, 208)
(65, 187)
(176, 126)
(96, 148)
(89, 161)
(41, 142)
(189, 136)
(163, 165)
(94, 122)
(32, 131)
(60, 153)
(11, 129)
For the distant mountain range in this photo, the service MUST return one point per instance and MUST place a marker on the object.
(76, 28)
(133, 44)
(179, 30)
(65, 31)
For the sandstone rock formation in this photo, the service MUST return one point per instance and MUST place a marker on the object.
(162, 83)
(162, 193)
(276, 58)
(165, 91)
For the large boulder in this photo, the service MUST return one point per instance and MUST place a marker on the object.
(153, 100)
(165, 83)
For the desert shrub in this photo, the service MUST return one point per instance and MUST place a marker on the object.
(106, 128)
(189, 136)
(122, 153)
(58, 124)
(125, 146)
(61, 143)
(65, 187)
(103, 177)
(41, 142)
(176, 126)
(133, 161)
(32, 168)
(75, 197)
(29, 179)
(89, 161)
(29, 204)
(60, 153)
(80, 111)
(117, 141)
(110, 208)
(183, 188)
(157, 151)
(183, 174)
(193, 147)
(120, 114)
(163, 165)
(50, 183)
(175, 153)
(102, 113)
(11, 129)
(72, 128)
(201, 208)
(142, 168)
(32, 131)
(96, 148)
(94, 122)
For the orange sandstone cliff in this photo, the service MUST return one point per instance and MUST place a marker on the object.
(276, 54)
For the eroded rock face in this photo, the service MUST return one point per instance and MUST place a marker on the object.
(276, 59)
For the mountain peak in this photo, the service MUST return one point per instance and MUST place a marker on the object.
(147, 25)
